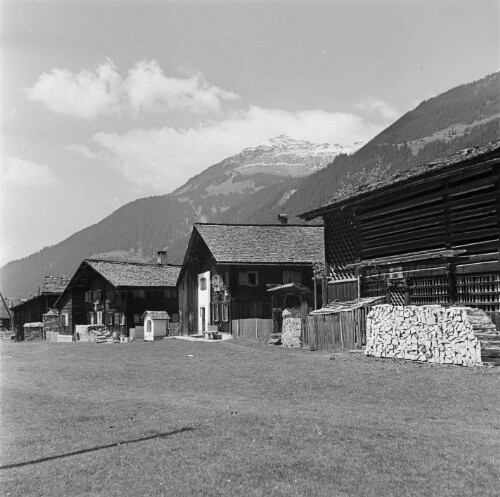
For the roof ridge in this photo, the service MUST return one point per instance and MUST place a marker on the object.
(263, 225)
(131, 262)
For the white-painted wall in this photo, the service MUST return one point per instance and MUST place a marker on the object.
(154, 329)
(203, 302)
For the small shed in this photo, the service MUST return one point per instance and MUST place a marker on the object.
(339, 325)
(156, 325)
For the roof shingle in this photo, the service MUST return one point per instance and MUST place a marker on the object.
(231, 243)
(133, 274)
(54, 284)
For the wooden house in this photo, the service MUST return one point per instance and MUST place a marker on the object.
(227, 268)
(5, 314)
(117, 294)
(429, 235)
(32, 309)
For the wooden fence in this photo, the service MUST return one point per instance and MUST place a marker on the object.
(255, 328)
(249, 310)
(340, 330)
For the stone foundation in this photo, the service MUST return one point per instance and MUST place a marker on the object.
(432, 333)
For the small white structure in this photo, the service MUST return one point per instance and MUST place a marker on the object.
(156, 325)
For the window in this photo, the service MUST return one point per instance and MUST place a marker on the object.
(137, 319)
(64, 320)
(108, 318)
(215, 313)
(203, 283)
(174, 317)
(88, 296)
(248, 278)
(139, 294)
(292, 277)
(225, 313)
(253, 279)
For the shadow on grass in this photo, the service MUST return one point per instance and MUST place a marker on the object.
(93, 449)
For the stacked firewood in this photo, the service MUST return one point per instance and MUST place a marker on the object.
(291, 327)
(432, 333)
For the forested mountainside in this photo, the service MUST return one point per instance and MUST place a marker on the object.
(260, 182)
(318, 189)
(139, 229)
(465, 104)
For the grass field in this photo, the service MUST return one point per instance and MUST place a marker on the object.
(242, 418)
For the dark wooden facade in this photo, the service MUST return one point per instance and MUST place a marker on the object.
(32, 309)
(429, 236)
(236, 290)
(6, 320)
(91, 298)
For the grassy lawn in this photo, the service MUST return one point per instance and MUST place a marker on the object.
(242, 418)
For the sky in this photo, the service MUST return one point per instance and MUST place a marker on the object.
(105, 102)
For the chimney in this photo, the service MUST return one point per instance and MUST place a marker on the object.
(162, 257)
(283, 218)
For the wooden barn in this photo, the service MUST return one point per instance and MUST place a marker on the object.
(32, 309)
(429, 235)
(227, 268)
(5, 314)
(117, 294)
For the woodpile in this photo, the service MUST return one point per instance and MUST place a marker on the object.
(432, 333)
(292, 326)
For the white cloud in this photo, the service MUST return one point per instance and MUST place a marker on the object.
(85, 94)
(85, 151)
(385, 109)
(104, 91)
(24, 173)
(149, 89)
(164, 158)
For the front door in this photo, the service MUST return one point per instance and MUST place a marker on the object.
(203, 322)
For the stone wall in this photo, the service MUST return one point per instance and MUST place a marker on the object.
(432, 333)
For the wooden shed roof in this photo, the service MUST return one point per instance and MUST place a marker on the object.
(447, 165)
(263, 243)
(134, 274)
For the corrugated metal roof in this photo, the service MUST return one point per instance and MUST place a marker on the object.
(133, 274)
(264, 244)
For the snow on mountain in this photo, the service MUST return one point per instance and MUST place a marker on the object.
(281, 156)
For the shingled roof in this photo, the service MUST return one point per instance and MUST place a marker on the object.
(134, 274)
(450, 162)
(54, 284)
(264, 244)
